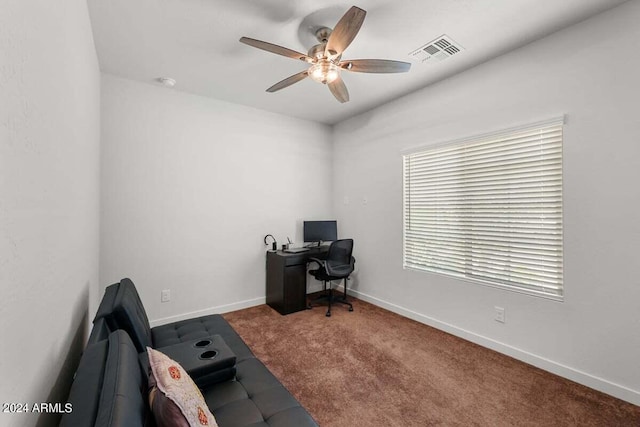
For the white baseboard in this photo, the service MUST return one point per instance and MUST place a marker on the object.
(314, 286)
(600, 384)
(207, 311)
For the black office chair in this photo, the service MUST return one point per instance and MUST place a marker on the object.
(338, 265)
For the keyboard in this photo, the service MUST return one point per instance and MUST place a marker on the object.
(295, 250)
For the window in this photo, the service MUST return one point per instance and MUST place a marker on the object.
(489, 209)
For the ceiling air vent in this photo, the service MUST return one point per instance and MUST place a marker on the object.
(437, 50)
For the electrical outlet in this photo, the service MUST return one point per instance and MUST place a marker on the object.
(345, 200)
(165, 295)
(499, 314)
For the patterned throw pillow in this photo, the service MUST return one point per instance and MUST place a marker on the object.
(176, 385)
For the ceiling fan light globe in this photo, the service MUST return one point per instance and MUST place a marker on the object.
(324, 71)
(332, 74)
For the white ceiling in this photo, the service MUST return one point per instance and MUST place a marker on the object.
(196, 43)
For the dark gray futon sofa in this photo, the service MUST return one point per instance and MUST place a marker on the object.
(110, 387)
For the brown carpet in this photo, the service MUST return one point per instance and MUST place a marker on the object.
(372, 367)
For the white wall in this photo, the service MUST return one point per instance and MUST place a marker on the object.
(190, 186)
(586, 72)
(49, 200)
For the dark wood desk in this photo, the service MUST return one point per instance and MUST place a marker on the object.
(287, 279)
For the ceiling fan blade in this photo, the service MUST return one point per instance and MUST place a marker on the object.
(375, 66)
(274, 48)
(288, 81)
(345, 31)
(339, 90)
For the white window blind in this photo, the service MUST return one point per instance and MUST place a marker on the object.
(489, 209)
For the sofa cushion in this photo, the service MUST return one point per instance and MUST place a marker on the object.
(173, 382)
(129, 314)
(106, 304)
(255, 398)
(109, 389)
(201, 327)
(123, 391)
(99, 332)
(85, 389)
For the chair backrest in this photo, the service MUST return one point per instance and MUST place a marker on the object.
(339, 261)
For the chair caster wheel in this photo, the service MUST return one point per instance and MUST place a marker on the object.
(350, 308)
(328, 314)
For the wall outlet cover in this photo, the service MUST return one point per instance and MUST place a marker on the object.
(165, 295)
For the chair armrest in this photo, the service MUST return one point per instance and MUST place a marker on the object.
(318, 261)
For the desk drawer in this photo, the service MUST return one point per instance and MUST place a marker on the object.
(295, 259)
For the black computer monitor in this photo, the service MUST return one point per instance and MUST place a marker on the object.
(320, 231)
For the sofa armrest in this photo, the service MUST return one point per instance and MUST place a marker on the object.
(207, 360)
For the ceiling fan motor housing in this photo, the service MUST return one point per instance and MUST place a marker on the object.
(317, 51)
(322, 34)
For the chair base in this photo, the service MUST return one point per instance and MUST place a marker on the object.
(330, 298)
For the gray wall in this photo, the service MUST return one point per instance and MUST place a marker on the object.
(191, 185)
(49, 198)
(586, 72)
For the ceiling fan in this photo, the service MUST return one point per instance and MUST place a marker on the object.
(326, 57)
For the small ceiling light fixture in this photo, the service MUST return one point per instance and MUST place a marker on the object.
(324, 71)
(166, 81)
